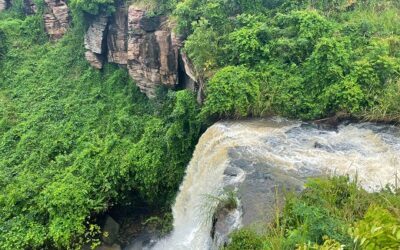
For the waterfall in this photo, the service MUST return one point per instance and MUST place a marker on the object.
(366, 150)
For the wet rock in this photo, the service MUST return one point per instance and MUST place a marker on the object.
(144, 241)
(110, 231)
(224, 222)
(106, 247)
(232, 171)
(262, 188)
(56, 18)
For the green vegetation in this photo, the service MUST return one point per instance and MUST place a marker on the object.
(309, 59)
(330, 214)
(75, 141)
(93, 7)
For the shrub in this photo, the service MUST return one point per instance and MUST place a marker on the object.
(233, 91)
(379, 229)
(75, 141)
(331, 213)
(245, 240)
(93, 7)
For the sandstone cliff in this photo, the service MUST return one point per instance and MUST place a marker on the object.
(145, 45)
(56, 18)
(3, 5)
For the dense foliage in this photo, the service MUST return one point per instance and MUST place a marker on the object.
(330, 214)
(74, 141)
(311, 58)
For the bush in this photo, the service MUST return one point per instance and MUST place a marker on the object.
(233, 91)
(245, 240)
(313, 59)
(379, 229)
(75, 141)
(332, 214)
(93, 7)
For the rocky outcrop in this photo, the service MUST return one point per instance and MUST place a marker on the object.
(152, 51)
(3, 5)
(188, 77)
(145, 45)
(95, 41)
(95, 60)
(110, 231)
(30, 7)
(56, 15)
(117, 38)
(56, 18)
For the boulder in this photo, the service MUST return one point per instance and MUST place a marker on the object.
(95, 60)
(56, 18)
(106, 247)
(110, 231)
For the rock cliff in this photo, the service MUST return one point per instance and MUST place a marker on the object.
(95, 41)
(145, 45)
(3, 5)
(152, 51)
(56, 15)
(56, 18)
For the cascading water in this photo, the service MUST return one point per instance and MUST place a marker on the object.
(369, 151)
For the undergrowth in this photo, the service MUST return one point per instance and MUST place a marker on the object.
(75, 141)
(333, 213)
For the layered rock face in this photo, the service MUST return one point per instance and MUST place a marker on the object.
(56, 18)
(3, 5)
(95, 43)
(145, 45)
(152, 51)
(117, 38)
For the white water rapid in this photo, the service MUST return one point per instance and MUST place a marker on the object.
(369, 151)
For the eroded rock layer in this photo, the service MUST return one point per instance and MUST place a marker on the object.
(117, 38)
(56, 18)
(152, 51)
(95, 41)
(144, 44)
(3, 5)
